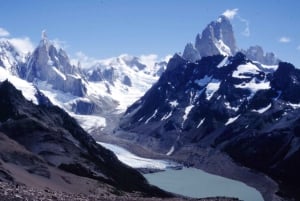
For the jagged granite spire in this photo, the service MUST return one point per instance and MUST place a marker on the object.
(49, 64)
(44, 35)
(190, 53)
(217, 38)
(256, 53)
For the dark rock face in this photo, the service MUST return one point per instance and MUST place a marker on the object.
(127, 81)
(51, 135)
(217, 34)
(190, 53)
(229, 103)
(217, 38)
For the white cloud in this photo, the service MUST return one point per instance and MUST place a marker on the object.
(298, 48)
(284, 39)
(23, 45)
(59, 44)
(246, 31)
(85, 61)
(230, 14)
(4, 32)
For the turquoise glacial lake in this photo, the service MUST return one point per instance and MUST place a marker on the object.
(196, 183)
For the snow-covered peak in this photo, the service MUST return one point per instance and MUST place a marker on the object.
(45, 43)
(47, 63)
(124, 78)
(44, 35)
(10, 57)
(217, 38)
(126, 69)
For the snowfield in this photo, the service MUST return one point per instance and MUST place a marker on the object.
(27, 89)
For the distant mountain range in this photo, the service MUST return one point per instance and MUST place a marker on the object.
(244, 103)
(93, 95)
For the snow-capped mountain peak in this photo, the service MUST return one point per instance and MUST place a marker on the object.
(10, 57)
(53, 66)
(217, 38)
(91, 95)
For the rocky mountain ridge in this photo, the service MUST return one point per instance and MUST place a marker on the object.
(92, 95)
(218, 39)
(40, 142)
(244, 104)
(233, 104)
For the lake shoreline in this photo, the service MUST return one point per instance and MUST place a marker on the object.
(208, 160)
(196, 183)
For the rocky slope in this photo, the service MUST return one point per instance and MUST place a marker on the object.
(10, 192)
(43, 143)
(244, 108)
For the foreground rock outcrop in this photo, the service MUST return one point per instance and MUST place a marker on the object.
(10, 192)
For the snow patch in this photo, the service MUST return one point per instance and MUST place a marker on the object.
(201, 122)
(90, 122)
(170, 151)
(167, 116)
(223, 49)
(174, 103)
(245, 71)
(28, 90)
(294, 106)
(231, 120)
(153, 116)
(262, 110)
(59, 73)
(254, 86)
(211, 88)
(229, 107)
(187, 111)
(224, 62)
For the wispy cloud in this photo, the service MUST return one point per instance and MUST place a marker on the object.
(85, 61)
(4, 32)
(298, 48)
(59, 44)
(230, 13)
(284, 39)
(23, 45)
(233, 13)
(246, 31)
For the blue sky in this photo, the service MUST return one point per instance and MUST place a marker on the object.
(107, 28)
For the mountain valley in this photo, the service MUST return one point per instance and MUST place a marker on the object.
(226, 110)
